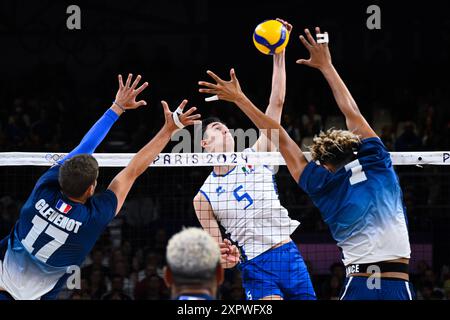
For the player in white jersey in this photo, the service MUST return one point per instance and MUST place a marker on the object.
(244, 201)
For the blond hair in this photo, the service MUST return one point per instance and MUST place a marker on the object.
(334, 146)
(193, 256)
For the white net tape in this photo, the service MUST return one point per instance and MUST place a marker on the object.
(206, 159)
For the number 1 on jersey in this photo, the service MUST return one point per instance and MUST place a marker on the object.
(39, 225)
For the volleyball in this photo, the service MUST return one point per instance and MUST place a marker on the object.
(270, 37)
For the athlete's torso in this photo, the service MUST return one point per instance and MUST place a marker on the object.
(362, 205)
(245, 202)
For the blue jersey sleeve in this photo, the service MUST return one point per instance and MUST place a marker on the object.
(104, 205)
(373, 152)
(94, 136)
(314, 178)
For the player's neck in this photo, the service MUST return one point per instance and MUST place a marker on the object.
(81, 200)
(222, 170)
(191, 290)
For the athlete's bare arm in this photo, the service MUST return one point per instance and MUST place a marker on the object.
(123, 182)
(205, 214)
(277, 96)
(320, 58)
(231, 91)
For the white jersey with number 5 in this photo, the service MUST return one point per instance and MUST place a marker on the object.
(245, 202)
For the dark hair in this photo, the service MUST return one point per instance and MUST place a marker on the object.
(77, 174)
(208, 121)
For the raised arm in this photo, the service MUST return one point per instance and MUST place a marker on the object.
(123, 182)
(320, 58)
(231, 91)
(125, 100)
(277, 95)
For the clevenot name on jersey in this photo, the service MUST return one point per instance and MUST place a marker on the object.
(57, 218)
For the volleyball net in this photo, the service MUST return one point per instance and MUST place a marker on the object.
(161, 204)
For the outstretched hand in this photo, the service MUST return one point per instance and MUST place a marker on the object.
(320, 57)
(127, 93)
(225, 90)
(187, 118)
(229, 254)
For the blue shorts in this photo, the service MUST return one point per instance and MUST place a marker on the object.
(362, 288)
(280, 271)
(5, 296)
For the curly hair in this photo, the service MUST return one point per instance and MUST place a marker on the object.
(334, 146)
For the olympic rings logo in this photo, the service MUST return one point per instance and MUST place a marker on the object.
(53, 157)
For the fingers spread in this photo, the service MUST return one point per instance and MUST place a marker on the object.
(214, 76)
(233, 75)
(136, 81)
(310, 37)
(165, 106)
(127, 84)
(306, 43)
(212, 91)
(120, 81)
(207, 84)
(141, 103)
(141, 88)
(190, 111)
(183, 104)
(194, 117)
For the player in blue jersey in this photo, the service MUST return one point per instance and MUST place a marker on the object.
(351, 181)
(62, 218)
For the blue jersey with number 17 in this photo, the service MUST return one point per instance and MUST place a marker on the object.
(51, 234)
(362, 204)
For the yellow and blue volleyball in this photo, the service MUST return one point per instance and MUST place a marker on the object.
(270, 37)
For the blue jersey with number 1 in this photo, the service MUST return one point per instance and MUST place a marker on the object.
(52, 234)
(362, 204)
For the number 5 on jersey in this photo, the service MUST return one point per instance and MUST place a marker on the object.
(244, 196)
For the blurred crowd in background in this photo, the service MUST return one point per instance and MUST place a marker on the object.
(55, 85)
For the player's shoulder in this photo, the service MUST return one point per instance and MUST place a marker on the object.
(106, 196)
(371, 149)
(372, 143)
(102, 206)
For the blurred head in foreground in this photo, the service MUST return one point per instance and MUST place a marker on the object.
(193, 265)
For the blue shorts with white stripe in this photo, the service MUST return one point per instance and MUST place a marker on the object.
(363, 288)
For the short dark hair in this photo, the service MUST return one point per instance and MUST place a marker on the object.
(77, 174)
(206, 122)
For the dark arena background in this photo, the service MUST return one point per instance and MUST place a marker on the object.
(55, 83)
